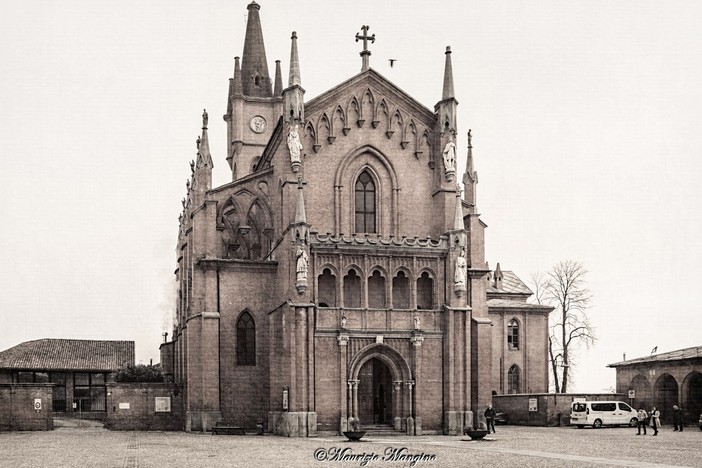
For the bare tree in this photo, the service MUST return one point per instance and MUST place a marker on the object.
(565, 288)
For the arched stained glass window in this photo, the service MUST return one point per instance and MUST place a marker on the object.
(513, 379)
(365, 203)
(245, 340)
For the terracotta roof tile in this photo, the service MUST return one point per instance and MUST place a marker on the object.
(510, 284)
(57, 354)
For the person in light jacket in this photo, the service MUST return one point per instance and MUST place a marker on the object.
(655, 420)
(642, 417)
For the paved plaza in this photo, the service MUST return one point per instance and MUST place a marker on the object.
(510, 446)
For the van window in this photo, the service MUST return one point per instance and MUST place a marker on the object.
(604, 407)
(625, 407)
(578, 407)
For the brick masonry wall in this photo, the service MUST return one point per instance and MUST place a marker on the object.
(17, 407)
(141, 414)
(549, 405)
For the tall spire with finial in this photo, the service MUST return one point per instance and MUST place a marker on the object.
(470, 177)
(446, 108)
(254, 66)
(448, 76)
(293, 95)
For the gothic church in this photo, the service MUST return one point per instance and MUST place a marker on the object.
(340, 275)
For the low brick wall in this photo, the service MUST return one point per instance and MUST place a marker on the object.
(548, 406)
(26, 407)
(144, 407)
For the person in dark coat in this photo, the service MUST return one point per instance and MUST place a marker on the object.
(490, 418)
(677, 418)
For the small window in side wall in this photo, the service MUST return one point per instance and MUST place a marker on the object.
(513, 380)
(245, 340)
(513, 334)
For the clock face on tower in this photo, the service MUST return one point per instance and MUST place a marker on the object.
(258, 124)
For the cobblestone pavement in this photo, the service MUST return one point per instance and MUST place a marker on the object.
(510, 446)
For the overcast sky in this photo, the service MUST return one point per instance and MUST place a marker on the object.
(587, 138)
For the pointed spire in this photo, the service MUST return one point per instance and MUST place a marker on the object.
(294, 78)
(448, 76)
(278, 87)
(498, 277)
(470, 177)
(293, 95)
(238, 87)
(254, 66)
(458, 214)
(204, 158)
(300, 216)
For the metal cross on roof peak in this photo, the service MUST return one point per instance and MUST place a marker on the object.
(365, 52)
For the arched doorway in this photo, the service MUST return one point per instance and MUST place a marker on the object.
(666, 396)
(642, 390)
(375, 393)
(692, 396)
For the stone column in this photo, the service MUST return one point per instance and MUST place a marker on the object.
(397, 404)
(344, 390)
(410, 419)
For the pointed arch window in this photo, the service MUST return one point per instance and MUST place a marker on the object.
(513, 379)
(365, 203)
(245, 340)
(513, 334)
(425, 292)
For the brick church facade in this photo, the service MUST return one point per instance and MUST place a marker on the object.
(341, 273)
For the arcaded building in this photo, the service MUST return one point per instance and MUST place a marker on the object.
(664, 380)
(341, 273)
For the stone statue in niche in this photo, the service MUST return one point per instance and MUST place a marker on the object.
(450, 156)
(302, 260)
(459, 277)
(294, 144)
(417, 322)
(343, 321)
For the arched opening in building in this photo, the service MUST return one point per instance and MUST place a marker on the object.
(376, 291)
(666, 395)
(643, 396)
(425, 292)
(692, 396)
(400, 291)
(375, 393)
(513, 380)
(352, 290)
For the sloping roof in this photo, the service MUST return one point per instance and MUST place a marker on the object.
(511, 284)
(506, 303)
(679, 355)
(61, 354)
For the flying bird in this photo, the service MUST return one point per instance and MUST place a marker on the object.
(392, 62)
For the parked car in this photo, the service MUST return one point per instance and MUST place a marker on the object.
(602, 413)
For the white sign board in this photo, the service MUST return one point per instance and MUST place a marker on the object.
(632, 394)
(124, 406)
(533, 405)
(163, 404)
(37, 404)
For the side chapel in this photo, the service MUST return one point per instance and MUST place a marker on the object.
(341, 273)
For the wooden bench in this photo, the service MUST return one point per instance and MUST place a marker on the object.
(227, 428)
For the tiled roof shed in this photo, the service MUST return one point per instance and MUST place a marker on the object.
(62, 354)
(682, 354)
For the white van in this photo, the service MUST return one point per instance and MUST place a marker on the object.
(602, 413)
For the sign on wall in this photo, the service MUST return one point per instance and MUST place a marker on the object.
(632, 394)
(163, 404)
(124, 406)
(533, 405)
(37, 404)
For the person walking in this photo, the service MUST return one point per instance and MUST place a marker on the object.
(655, 420)
(490, 418)
(677, 418)
(642, 417)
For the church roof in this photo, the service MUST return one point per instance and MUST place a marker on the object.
(681, 354)
(511, 284)
(63, 354)
(375, 78)
(507, 304)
